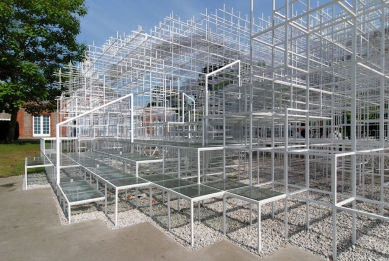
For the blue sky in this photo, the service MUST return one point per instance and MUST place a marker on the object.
(107, 17)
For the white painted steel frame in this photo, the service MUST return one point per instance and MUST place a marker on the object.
(70, 204)
(26, 167)
(323, 68)
(191, 202)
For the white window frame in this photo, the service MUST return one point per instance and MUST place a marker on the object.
(41, 126)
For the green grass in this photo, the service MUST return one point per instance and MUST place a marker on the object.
(12, 157)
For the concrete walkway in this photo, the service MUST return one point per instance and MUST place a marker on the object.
(30, 229)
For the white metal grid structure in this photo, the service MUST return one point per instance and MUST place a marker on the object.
(329, 66)
(218, 96)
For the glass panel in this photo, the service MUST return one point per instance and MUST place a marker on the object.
(73, 181)
(127, 181)
(65, 161)
(82, 159)
(255, 193)
(37, 125)
(224, 184)
(37, 161)
(196, 190)
(46, 124)
(69, 190)
(135, 157)
(111, 176)
(102, 168)
(84, 196)
(180, 144)
(173, 183)
(157, 177)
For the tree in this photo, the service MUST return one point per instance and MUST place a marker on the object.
(37, 38)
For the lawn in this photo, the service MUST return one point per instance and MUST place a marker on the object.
(12, 157)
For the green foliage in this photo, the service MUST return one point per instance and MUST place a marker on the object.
(261, 64)
(217, 86)
(37, 37)
(221, 85)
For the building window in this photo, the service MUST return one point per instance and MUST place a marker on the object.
(42, 125)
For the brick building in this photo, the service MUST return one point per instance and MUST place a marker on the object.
(38, 126)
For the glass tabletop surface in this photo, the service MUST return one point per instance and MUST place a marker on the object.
(70, 190)
(127, 181)
(174, 183)
(113, 152)
(76, 183)
(193, 145)
(116, 175)
(37, 161)
(157, 177)
(136, 157)
(67, 162)
(103, 169)
(255, 193)
(224, 184)
(85, 196)
(195, 190)
(66, 180)
(87, 163)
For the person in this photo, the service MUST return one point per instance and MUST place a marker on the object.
(337, 135)
(302, 133)
(74, 132)
(298, 135)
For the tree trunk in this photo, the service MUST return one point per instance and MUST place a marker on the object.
(12, 125)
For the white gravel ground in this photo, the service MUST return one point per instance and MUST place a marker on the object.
(372, 235)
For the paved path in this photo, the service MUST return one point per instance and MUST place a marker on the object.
(30, 230)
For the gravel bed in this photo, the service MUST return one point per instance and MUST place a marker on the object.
(35, 181)
(372, 235)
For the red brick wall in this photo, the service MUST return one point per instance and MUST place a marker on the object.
(20, 120)
(26, 126)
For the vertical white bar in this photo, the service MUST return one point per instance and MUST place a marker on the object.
(250, 173)
(259, 229)
(354, 120)
(69, 213)
(105, 205)
(224, 163)
(191, 224)
(116, 207)
(198, 166)
(58, 154)
(151, 202)
(179, 162)
(286, 166)
(168, 210)
(334, 195)
(183, 108)
(307, 218)
(132, 120)
(224, 214)
(25, 171)
(382, 106)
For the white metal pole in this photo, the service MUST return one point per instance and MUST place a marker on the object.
(116, 207)
(259, 228)
(191, 224)
(58, 152)
(334, 200)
